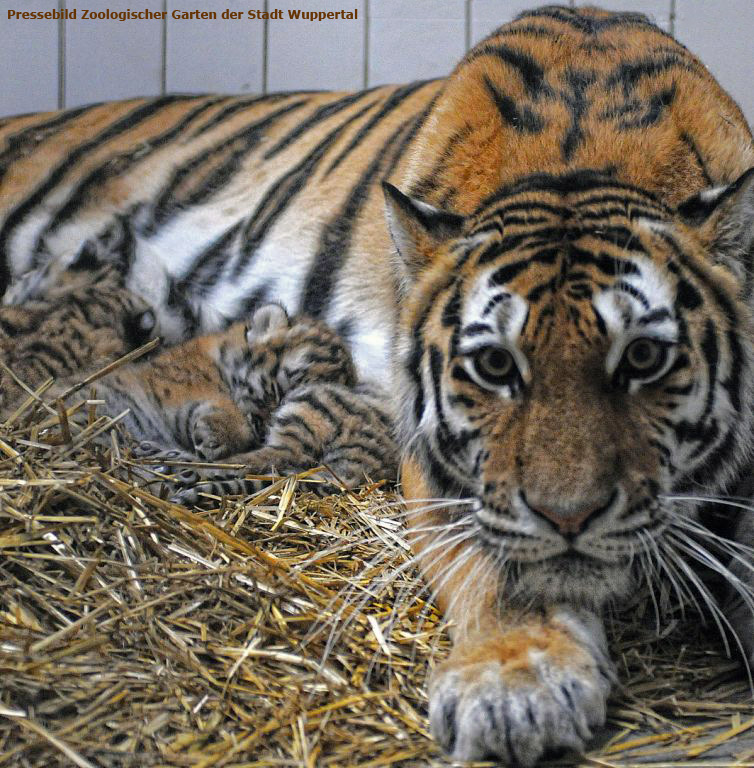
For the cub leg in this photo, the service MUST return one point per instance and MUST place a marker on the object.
(222, 482)
(342, 428)
(516, 685)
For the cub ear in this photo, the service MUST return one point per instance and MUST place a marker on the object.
(417, 229)
(724, 218)
(268, 317)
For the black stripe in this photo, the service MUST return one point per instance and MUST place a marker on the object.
(280, 196)
(691, 144)
(575, 98)
(530, 72)
(309, 397)
(711, 357)
(335, 240)
(247, 138)
(522, 119)
(628, 74)
(649, 112)
(432, 179)
(319, 115)
(391, 104)
(117, 165)
(507, 272)
(293, 419)
(24, 141)
(543, 235)
(604, 262)
(240, 105)
(588, 24)
(655, 316)
(131, 120)
(632, 290)
(622, 237)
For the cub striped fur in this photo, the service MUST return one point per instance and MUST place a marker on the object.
(274, 393)
(76, 329)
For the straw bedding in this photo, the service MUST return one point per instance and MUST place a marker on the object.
(278, 630)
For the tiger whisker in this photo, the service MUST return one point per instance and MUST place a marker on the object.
(648, 574)
(701, 555)
(717, 614)
(381, 584)
(728, 501)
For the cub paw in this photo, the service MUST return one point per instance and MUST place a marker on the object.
(519, 696)
(207, 438)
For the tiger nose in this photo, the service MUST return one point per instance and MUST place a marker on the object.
(572, 522)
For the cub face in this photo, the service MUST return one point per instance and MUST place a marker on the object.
(569, 358)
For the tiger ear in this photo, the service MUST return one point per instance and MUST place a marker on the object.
(724, 218)
(418, 229)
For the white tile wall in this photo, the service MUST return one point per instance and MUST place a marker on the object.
(316, 54)
(488, 15)
(29, 59)
(436, 32)
(223, 55)
(722, 35)
(111, 59)
(392, 41)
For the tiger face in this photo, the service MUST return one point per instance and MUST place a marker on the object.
(570, 353)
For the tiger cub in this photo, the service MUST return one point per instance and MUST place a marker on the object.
(76, 329)
(212, 395)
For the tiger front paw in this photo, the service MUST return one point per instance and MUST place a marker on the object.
(532, 690)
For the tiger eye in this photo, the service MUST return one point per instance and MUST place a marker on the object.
(495, 365)
(643, 354)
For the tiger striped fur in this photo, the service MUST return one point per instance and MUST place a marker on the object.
(561, 300)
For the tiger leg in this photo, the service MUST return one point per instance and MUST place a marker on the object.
(516, 685)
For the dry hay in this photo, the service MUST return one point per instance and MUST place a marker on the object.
(135, 632)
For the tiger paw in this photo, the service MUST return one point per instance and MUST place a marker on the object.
(532, 690)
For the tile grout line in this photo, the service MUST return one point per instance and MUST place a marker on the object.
(673, 11)
(265, 49)
(61, 57)
(164, 62)
(366, 44)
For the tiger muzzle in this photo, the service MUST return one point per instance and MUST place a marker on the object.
(573, 521)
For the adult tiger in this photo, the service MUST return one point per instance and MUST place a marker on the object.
(568, 313)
